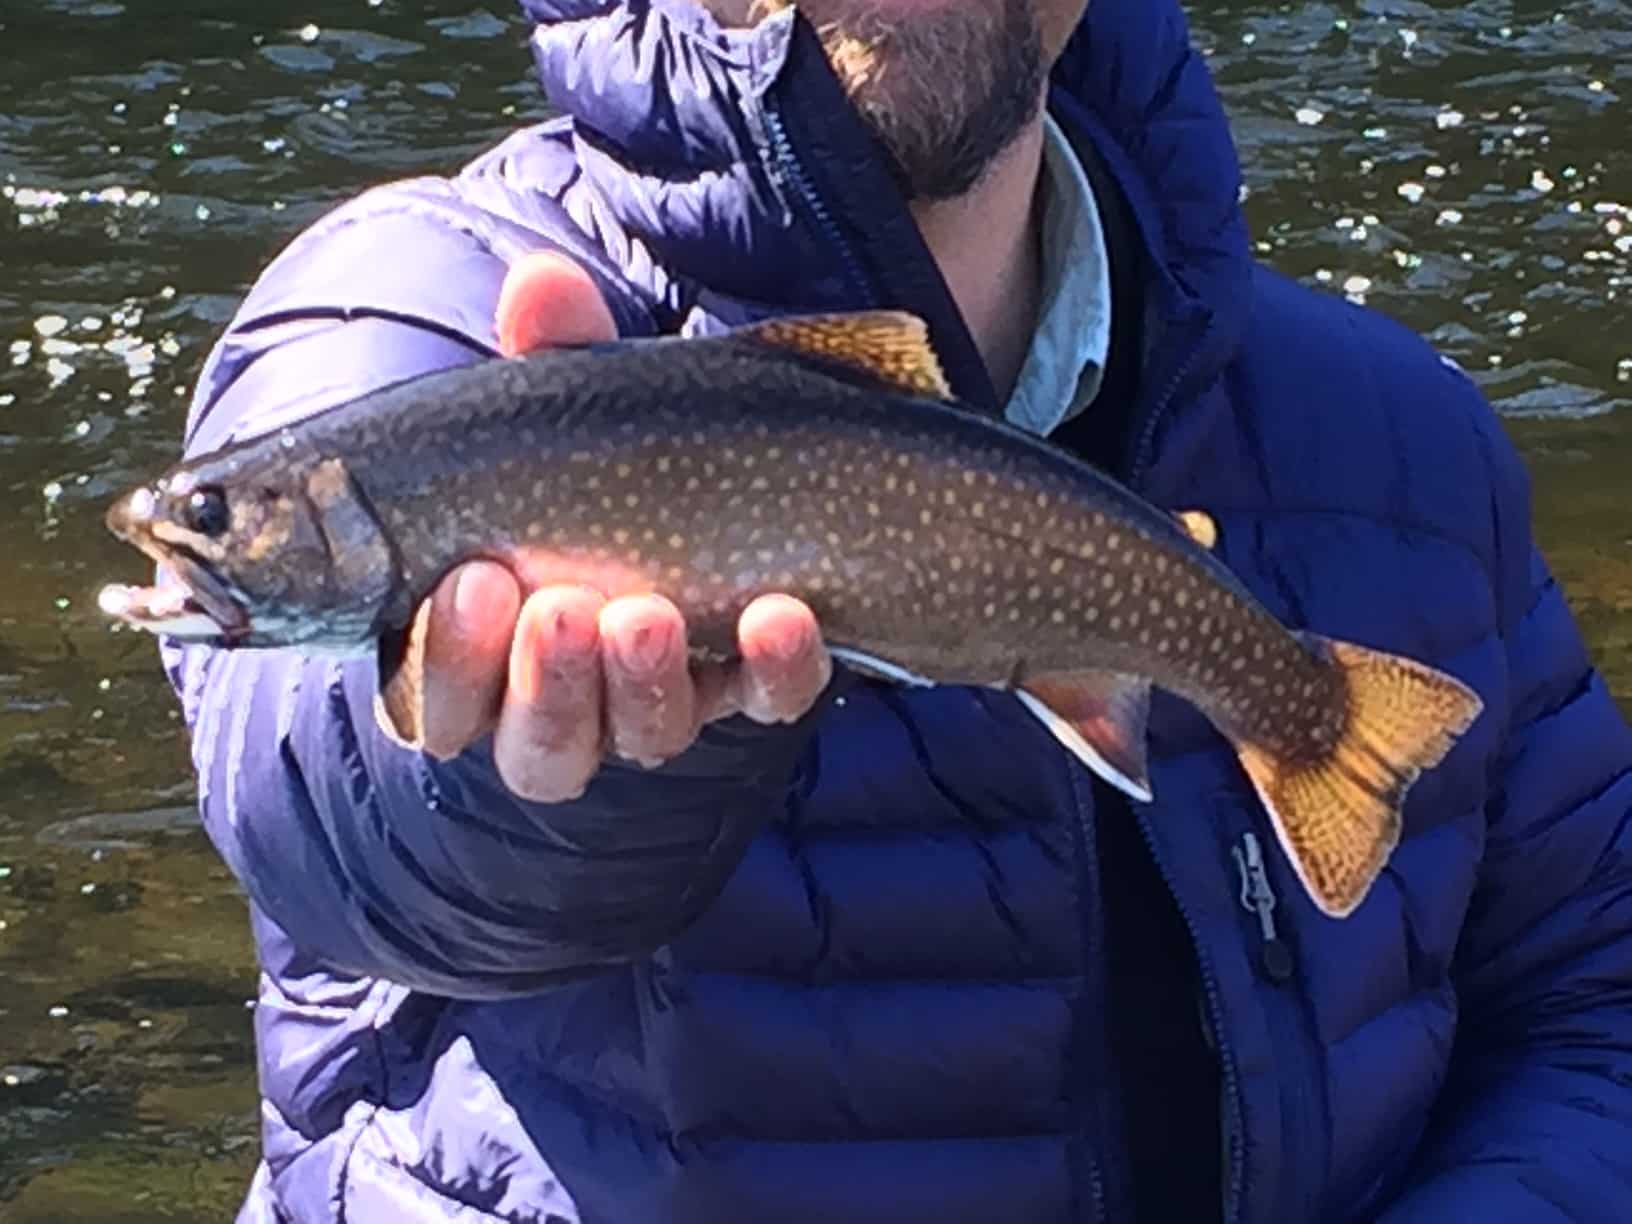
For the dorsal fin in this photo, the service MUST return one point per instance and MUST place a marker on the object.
(889, 345)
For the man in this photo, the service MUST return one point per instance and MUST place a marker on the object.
(631, 942)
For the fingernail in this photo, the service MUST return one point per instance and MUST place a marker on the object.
(467, 598)
(645, 650)
(790, 646)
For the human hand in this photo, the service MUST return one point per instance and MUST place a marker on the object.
(561, 675)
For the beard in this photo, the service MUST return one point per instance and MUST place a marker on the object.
(945, 91)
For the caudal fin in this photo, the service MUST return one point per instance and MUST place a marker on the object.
(1338, 814)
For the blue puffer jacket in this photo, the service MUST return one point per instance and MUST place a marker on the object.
(856, 970)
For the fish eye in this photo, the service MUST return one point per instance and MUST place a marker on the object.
(207, 511)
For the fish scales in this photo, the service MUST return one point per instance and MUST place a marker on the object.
(816, 458)
(915, 533)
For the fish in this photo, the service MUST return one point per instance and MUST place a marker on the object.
(823, 456)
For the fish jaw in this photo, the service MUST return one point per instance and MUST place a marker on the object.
(166, 610)
(202, 607)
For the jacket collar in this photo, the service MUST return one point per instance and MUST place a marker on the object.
(736, 182)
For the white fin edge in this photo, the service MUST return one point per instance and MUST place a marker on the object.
(1071, 739)
(862, 661)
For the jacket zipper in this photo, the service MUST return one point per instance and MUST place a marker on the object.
(1145, 440)
(1232, 1119)
(1258, 898)
(799, 179)
(1278, 966)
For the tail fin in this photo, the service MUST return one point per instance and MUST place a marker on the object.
(1338, 815)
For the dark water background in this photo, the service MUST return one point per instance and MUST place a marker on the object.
(1465, 167)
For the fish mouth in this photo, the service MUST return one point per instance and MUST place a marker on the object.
(201, 609)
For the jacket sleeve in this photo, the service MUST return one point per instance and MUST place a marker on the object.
(1535, 1121)
(381, 861)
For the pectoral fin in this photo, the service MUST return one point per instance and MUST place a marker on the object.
(1101, 718)
(399, 702)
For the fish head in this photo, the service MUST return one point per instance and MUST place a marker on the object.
(258, 549)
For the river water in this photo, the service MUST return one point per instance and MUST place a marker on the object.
(1464, 167)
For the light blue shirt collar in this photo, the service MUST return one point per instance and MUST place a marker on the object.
(1066, 361)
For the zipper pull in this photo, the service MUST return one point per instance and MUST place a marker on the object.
(1257, 897)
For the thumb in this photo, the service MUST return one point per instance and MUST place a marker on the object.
(547, 300)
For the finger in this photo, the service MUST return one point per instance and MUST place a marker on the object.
(649, 696)
(467, 647)
(548, 743)
(785, 665)
(548, 301)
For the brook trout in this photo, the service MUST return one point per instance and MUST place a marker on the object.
(819, 457)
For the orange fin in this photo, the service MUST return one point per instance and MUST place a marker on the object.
(1337, 812)
(1199, 526)
(1100, 717)
(889, 345)
(399, 705)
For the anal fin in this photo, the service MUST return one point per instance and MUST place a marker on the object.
(1100, 718)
